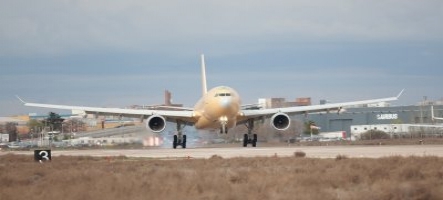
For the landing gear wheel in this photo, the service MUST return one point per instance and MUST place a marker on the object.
(174, 142)
(254, 140)
(184, 142)
(245, 140)
(179, 141)
(249, 140)
(179, 138)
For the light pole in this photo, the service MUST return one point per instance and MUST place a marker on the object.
(32, 137)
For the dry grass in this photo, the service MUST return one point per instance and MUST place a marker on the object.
(218, 178)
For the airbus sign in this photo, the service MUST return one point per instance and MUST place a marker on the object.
(387, 116)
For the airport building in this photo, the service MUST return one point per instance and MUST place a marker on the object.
(378, 118)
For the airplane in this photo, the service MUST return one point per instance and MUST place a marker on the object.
(433, 117)
(218, 109)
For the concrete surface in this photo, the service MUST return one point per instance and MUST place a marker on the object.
(311, 151)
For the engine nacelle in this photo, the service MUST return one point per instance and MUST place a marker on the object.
(156, 123)
(280, 121)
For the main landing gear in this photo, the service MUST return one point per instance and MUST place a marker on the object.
(179, 139)
(247, 139)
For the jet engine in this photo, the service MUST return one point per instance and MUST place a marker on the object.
(156, 123)
(280, 121)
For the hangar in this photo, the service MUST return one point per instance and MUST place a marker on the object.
(333, 121)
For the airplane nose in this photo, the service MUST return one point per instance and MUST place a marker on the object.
(225, 102)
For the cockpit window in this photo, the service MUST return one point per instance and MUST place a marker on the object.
(223, 95)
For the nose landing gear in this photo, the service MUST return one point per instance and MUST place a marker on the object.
(224, 121)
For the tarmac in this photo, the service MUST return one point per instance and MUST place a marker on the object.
(232, 152)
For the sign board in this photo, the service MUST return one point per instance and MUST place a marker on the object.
(387, 116)
(42, 155)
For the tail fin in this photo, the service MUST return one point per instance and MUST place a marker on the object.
(205, 89)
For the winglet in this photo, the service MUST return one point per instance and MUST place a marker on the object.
(399, 94)
(20, 99)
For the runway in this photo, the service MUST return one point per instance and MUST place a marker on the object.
(311, 151)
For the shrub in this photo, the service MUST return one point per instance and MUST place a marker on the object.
(341, 157)
(299, 154)
(373, 135)
(216, 157)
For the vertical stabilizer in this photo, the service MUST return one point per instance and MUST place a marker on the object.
(204, 87)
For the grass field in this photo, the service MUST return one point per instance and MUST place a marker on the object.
(294, 177)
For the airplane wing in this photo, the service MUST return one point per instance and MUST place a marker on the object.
(172, 108)
(314, 108)
(171, 115)
(251, 106)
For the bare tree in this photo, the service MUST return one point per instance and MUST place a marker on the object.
(11, 129)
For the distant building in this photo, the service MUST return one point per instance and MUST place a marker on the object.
(281, 102)
(4, 137)
(394, 129)
(168, 100)
(20, 122)
(330, 122)
(305, 101)
(168, 105)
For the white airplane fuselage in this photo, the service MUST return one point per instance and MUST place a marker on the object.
(218, 106)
